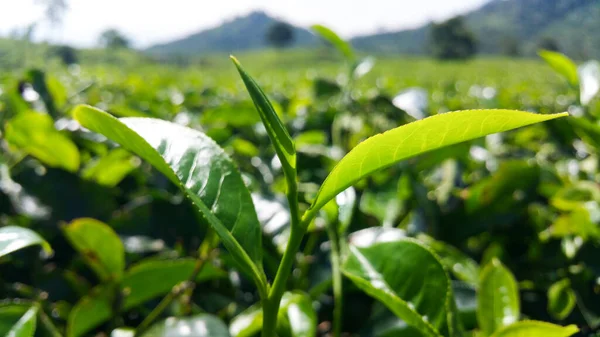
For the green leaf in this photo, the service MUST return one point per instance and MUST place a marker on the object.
(34, 134)
(296, 317)
(498, 298)
(13, 238)
(457, 262)
(562, 65)
(142, 282)
(534, 328)
(196, 164)
(91, 310)
(405, 276)
(280, 138)
(331, 37)
(203, 325)
(412, 139)
(110, 169)
(150, 279)
(23, 327)
(99, 245)
(561, 299)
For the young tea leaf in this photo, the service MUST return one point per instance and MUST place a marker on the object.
(562, 65)
(24, 327)
(407, 278)
(196, 164)
(534, 328)
(412, 139)
(330, 36)
(99, 245)
(498, 298)
(13, 238)
(280, 138)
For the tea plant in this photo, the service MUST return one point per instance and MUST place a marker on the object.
(418, 282)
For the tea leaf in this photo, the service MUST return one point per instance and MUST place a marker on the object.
(407, 278)
(534, 328)
(561, 299)
(562, 65)
(13, 238)
(24, 327)
(330, 36)
(99, 245)
(202, 325)
(498, 298)
(412, 139)
(196, 164)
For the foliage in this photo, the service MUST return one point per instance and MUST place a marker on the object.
(451, 40)
(280, 34)
(152, 200)
(113, 39)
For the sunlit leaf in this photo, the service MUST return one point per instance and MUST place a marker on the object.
(110, 169)
(534, 328)
(13, 238)
(34, 134)
(201, 169)
(23, 327)
(562, 65)
(415, 138)
(99, 245)
(498, 298)
(202, 325)
(280, 138)
(330, 36)
(408, 279)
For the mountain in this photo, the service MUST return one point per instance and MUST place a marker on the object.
(242, 33)
(572, 23)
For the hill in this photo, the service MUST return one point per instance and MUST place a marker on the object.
(240, 34)
(500, 22)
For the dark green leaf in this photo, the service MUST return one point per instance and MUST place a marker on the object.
(407, 278)
(561, 299)
(201, 169)
(280, 138)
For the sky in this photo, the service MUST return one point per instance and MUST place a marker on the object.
(147, 22)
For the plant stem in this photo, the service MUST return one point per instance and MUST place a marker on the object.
(273, 300)
(337, 279)
(171, 296)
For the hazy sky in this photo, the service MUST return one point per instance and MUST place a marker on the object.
(151, 21)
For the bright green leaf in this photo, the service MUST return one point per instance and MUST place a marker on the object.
(99, 245)
(203, 325)
(498, 298)
(562, 65)
(330, 36)
(34, 134)
(407, 278)
(24, 327)
(201, 169)
(412, 139)
(13, 238)
(110, 169)
(534, 328)
(280, 138)
(561, 299)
